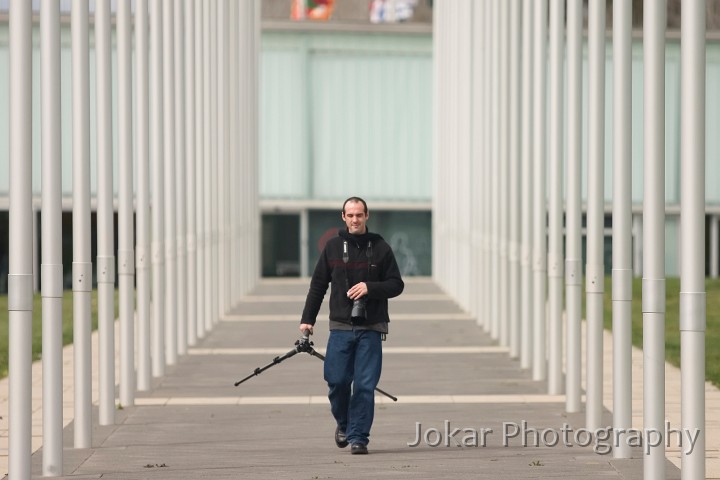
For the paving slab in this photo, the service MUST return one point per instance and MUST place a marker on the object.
(459, 413)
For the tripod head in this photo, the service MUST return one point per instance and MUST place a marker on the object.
(304, 344)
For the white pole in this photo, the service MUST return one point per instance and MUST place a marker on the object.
(448, 155)
(181, 209)
(503, 179)
(455, 154)
(190, 132)
(464, 117)
(105, 217)
(200, 159)
(171, 259)
(487, 168)
(714, 245)
(246, 126)
(221, 176)
(214, 178)
(436, 124)
(126, 254)
(495, 175)
(479, 52)
(595, 270)
(438, 15)
(246, 105)
(142, 249)
(231, 157)
(555, 212)
(235, 255)
(207, 163)
(20, 277)
(539, 193)
(653, 290)
(692, 236)
(514, 174)
(242, 144)
(452, 156)
(622, 225)
(251, 90)
(464, 145)
(254, 142)
(470, 162)
(82, 265)
(52, 267)
(526, 200)
(210, 178)
(450, 152)
(573, 255)
(158, 194)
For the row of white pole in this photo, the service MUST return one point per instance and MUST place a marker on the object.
(508, 168)
(189, 179)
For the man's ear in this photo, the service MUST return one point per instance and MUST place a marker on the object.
(342, 215)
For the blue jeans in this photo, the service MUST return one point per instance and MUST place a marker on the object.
(353, 357)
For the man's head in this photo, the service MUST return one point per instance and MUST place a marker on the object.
(355, 215)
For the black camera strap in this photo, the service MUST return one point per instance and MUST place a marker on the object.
(346, 259)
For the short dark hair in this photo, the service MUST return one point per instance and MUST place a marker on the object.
(354, 200)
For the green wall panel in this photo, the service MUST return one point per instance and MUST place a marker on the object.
(371, 126)
(346, 114)
(284, 141)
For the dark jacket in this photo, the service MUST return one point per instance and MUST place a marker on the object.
(380, 272)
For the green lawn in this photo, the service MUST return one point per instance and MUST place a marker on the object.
(672, 329)
(37, 325)
(672, 323)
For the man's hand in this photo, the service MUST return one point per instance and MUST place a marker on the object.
(358, 290)
(306, 329)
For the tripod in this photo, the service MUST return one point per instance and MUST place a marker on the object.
(302, 345)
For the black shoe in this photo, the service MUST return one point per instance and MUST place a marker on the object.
(358, 449)
(340, 439)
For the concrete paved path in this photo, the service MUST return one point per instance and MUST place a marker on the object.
(445, 370)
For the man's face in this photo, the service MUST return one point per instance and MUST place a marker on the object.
(355, 217)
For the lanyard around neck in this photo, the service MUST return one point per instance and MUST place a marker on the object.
(346, 259)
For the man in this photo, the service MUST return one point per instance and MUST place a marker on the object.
(361, 269)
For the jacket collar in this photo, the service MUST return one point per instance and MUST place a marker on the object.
(360, 240)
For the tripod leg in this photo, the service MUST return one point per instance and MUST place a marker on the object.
(316, 354)
(394, 399)
(275, 361)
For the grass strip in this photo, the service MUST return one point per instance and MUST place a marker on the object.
(67, 317)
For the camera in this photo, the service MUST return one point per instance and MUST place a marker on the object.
(358, 308)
